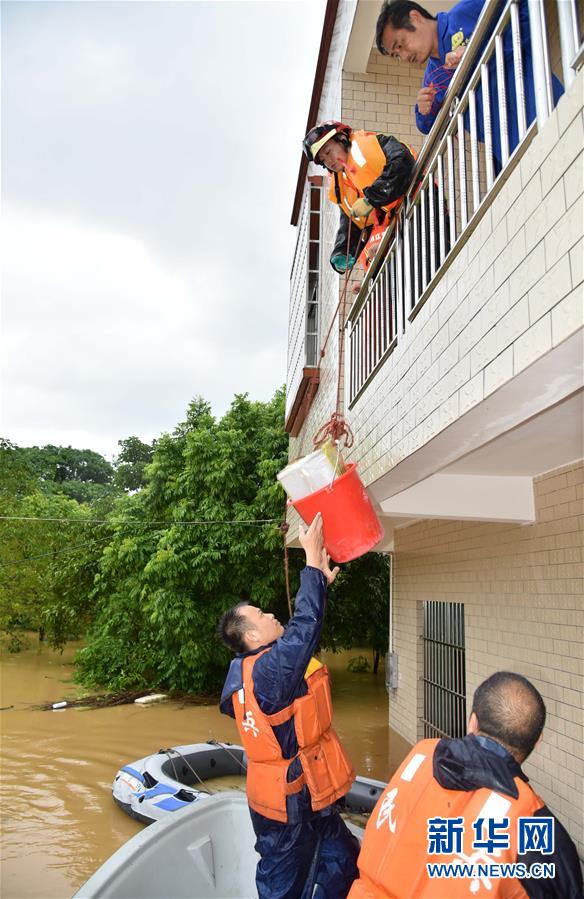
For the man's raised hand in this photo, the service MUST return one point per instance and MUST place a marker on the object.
(325, 567)
(312, 541)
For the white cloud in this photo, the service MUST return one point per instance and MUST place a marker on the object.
(150, 155)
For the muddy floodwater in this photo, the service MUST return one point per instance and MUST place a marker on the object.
(59, 822)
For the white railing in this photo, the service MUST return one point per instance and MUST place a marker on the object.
(479, 134)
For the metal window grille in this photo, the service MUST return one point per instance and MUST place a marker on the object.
(444, 670)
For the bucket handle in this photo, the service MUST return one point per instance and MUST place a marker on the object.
(336, 464)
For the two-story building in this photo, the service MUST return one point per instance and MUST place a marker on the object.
(462, 374)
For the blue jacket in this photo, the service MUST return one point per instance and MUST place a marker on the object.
(278, 676)
(455, 28)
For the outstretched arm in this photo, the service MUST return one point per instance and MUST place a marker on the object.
(344, 241)
(278, 673)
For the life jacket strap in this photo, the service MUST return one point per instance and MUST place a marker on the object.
(280, 717)
(294, 786)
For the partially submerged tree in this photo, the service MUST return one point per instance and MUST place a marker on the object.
(195, 545)
(146, 574)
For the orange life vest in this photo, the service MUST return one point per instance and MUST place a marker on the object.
(326, 769)
(394, 853)
(365, 163)
(369, 251)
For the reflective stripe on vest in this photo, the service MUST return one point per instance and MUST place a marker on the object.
(326, 769)
(394, 853)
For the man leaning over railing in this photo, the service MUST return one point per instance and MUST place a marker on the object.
(369, 174)
(408, 32)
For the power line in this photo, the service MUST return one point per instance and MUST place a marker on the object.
(236, 521)
(55, 552)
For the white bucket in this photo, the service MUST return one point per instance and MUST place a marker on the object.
(307, 475)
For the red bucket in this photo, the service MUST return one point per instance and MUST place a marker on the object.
(350, 524)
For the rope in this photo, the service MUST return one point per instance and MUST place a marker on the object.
(284, 528)
(336, 427)
(186, 761)
(224, 747)
(342, 296)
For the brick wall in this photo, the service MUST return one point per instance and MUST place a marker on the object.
(522, 587)
(383, 98)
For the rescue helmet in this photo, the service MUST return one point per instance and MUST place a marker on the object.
(320, 134)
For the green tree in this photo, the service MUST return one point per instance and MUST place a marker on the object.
(131, 463)
(49, 546)
(165, 579)
(32, 553)
(358, 607)
(83, 475)
(182, 552)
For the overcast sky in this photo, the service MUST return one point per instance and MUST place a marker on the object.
(150, 152)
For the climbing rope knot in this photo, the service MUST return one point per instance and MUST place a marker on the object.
(337, 430)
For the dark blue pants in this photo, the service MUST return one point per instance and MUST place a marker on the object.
(316, 859)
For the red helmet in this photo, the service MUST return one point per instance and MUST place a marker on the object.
(320, 134)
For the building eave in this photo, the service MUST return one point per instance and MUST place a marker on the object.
(330, 17)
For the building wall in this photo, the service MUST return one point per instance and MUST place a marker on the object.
(513, 292)
(522, 587)
(382, 99)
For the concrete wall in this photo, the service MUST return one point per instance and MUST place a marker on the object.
(382, 99)
(522, 588)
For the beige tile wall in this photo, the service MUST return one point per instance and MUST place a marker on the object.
(383, 98)
(522, 587)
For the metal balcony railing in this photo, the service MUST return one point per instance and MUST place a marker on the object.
(479, 134)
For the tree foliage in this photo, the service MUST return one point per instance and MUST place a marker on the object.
(185, 528)
(82, 475)
(47, 566)
(130, 465)
(164, 580)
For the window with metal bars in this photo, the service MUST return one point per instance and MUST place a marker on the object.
(444, 677)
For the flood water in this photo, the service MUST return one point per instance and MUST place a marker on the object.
(59, 822)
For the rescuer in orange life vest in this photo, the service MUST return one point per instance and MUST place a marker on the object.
(369, 175)
(279, 695)
(460, 802)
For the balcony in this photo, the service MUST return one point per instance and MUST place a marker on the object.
(463, 378)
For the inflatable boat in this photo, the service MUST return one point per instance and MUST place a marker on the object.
(152, 788)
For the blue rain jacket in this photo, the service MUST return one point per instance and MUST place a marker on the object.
(314, 854)
(455, 28)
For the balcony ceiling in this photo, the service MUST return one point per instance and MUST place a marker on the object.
(482, 466)
(547, 441)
